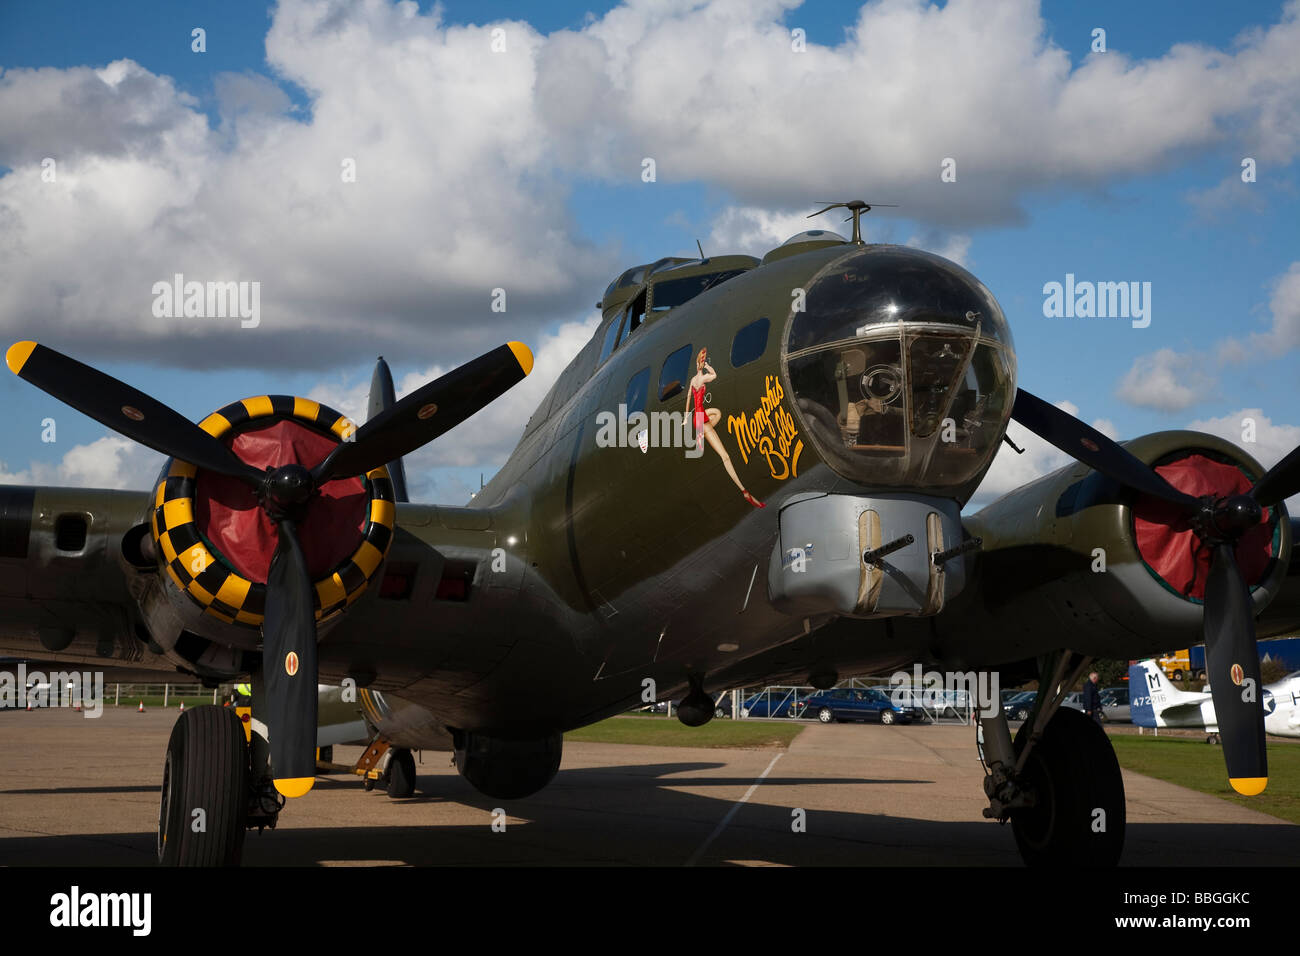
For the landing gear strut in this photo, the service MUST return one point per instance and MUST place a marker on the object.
(1059, 782)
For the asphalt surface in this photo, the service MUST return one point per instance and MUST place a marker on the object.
(77, 791)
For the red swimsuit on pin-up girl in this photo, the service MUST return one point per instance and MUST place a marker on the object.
(700, 415)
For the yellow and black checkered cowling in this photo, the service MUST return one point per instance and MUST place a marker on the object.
(198, 569)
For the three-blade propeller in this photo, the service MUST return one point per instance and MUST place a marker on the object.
(285, 494)
(1232, 658)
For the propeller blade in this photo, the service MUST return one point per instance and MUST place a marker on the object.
(1230, 651)
(126, 410)
(1281, 481)
(1086, 444)
(428, 412)
(289, 664)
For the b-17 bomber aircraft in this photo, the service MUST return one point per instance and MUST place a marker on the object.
(752, 473)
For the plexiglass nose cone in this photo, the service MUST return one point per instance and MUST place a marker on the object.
(903, 369)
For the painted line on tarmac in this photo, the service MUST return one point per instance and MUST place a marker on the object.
(735, 807)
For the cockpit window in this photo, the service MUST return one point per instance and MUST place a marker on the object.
(635, 314)
(670, 293)
(611, 336)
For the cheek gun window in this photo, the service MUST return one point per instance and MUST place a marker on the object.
(750, 343)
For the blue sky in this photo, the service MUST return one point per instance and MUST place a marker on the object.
(1107, 205)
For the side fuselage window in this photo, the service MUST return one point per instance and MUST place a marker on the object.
(637, 388)
(676, 372)
(750, 343)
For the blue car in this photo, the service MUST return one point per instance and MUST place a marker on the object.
(1019, 706)
(856, 703)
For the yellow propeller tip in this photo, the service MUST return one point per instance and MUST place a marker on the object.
(1248, 786)
(523, 355)
(18, 355)
(294, 786)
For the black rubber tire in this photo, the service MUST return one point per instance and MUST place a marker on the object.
(826, 716)
(886, 717)
(326, 755)
(367, 783)
(1073, 771)
(206, 768)
(1178, 675)
(401, 774)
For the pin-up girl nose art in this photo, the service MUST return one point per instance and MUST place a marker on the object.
(705, 420)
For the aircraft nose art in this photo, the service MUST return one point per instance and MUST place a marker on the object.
(903, 369)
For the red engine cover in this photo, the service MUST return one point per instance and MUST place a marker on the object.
(1171, 548)
(229, 516)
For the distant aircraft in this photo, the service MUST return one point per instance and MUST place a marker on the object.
(1154, 702)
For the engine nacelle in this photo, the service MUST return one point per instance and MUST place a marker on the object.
(215, 542)
(1114, 571)
(505, 768)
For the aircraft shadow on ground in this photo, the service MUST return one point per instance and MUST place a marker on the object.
(65, 790)
(636, 815)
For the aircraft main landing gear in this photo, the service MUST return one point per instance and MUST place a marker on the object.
(1078, 817)
(1058, 783)
(204, 802)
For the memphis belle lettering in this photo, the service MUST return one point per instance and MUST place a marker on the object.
(769, 431)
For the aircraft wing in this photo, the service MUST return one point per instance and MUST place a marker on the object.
(64, 582)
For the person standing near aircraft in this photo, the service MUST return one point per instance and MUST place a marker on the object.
(705, 419)
(1092, 698)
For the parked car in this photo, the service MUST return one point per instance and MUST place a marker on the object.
(1115, 704)
(781, 703)
(1073, 701)
(915, 700)
(1018, 707)
(856, 703)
